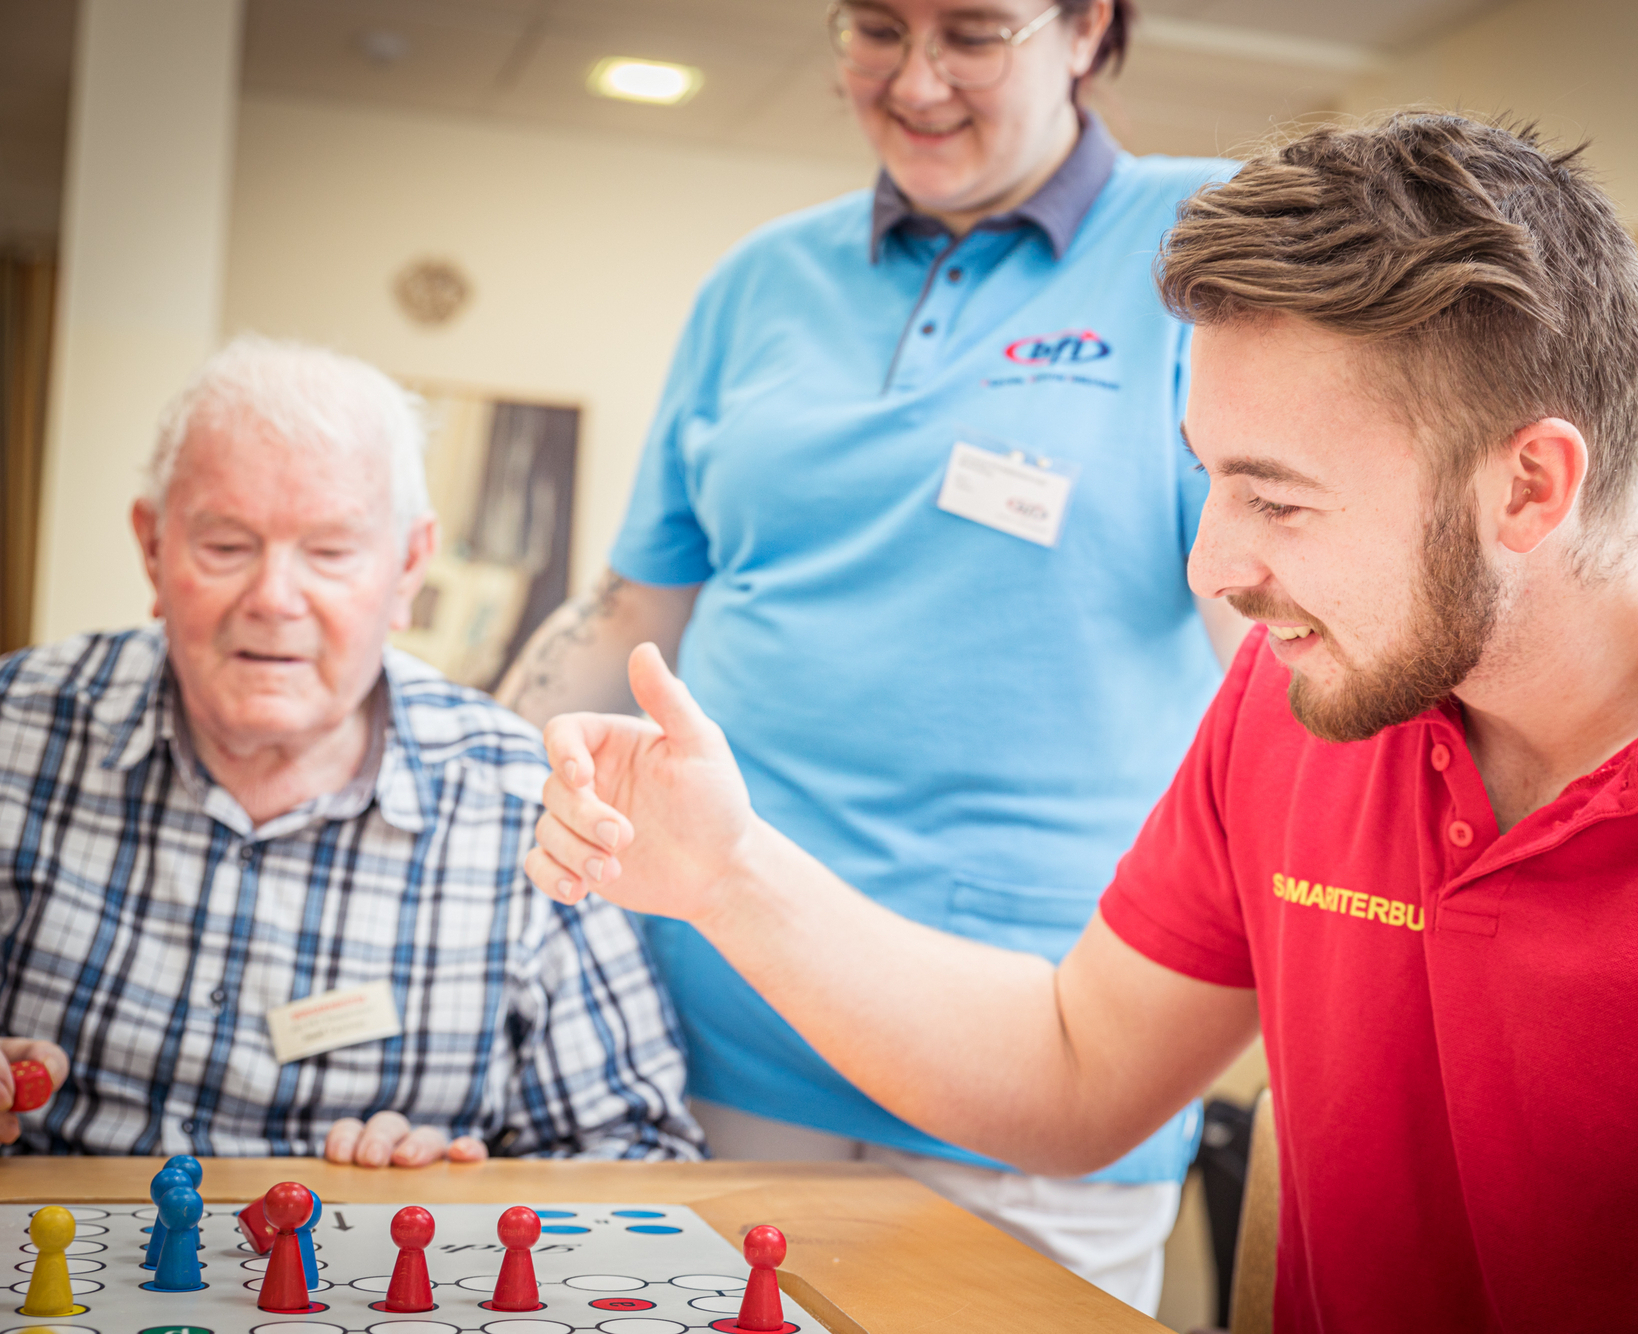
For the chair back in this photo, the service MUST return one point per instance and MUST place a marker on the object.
(1251, 1303)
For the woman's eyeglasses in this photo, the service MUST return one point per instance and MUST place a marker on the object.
(965, 53)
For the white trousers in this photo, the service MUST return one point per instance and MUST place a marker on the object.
(1111, 1235)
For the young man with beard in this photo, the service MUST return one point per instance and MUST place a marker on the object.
(1406, 837)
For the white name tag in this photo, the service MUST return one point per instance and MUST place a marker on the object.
(1007, 493)
(340, 1018)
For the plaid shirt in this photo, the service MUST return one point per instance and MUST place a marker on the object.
(148, 928)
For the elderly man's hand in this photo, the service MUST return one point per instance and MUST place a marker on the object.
(388, 1138)
(48, 1054)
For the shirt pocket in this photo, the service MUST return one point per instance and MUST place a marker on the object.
(1033, 918)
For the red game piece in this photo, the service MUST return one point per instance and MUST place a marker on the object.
(287, 1206)
(255, 1228)
(31, 1083)
(760, 1311)
(516, 1289)
(410, 1288)
(764, 1252)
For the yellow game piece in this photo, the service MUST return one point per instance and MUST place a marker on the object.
(49, 1291)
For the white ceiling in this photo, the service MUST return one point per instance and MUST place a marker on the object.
(1203, 76)
(1383, 24)
(766, 63)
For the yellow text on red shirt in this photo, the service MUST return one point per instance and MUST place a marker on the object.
(1349, 902)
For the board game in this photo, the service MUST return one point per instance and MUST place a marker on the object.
(612, 1268)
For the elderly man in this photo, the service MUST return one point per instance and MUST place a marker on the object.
(257, 803)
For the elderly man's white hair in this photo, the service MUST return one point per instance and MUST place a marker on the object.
(307, 394)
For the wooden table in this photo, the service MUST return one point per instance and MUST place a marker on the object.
(871, 1251)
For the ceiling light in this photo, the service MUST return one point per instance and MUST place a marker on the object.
(644, 80)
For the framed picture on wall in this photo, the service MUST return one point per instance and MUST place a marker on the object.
(501, 475)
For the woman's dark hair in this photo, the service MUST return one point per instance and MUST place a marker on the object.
(1112, 49)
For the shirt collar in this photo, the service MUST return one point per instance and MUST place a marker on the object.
(1058, 208)
(346, 803)
(392, 774)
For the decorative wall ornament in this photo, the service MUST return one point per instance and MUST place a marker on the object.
(432, 291)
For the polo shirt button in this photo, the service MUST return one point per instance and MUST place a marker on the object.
(1439, 756)
(247, 854)
(187, 1127)
(954, 275)
(218, 995)
(1461, 833)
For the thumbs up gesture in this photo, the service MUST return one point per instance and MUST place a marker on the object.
(652, 815)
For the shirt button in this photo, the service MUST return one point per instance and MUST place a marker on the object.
(247, 854)
(928, 327)
(1439, 757)
(187, 1127)
(218, 995)
(1461, 833)
(954, 275)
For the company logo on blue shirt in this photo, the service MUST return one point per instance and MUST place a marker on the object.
(1074, 346)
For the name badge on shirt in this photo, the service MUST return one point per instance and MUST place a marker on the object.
(1007, 491)
(340, 1018)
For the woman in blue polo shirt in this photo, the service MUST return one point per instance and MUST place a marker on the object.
(916, 512)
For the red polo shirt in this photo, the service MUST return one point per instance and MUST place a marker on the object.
(1451, 1015)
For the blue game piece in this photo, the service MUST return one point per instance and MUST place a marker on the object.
(185, 1162)
(180, 1210)
(304, 1237)
(189, 1164)
(166, 1179)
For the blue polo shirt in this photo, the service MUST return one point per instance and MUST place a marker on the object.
(966, 725)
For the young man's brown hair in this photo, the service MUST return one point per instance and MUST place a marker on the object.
(1487, 271)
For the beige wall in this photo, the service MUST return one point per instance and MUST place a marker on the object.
(1564, 63)
(143, 237)
(585, 251)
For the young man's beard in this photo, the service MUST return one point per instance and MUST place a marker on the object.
(1457, 600)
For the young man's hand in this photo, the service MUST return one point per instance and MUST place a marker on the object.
(652, 815)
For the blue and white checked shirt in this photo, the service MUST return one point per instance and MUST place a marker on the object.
(147, 927)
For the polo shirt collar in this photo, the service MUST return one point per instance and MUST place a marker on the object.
(1057, 209)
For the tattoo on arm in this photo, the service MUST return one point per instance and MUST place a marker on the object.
(543, 656)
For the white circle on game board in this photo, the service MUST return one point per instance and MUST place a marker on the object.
(77, 1264)
(255, 1285)
(295, 1327)
(75, 1247)
(259, 1264)
(642, 1324)
(605, 1283)
(416, 1327)
(484, 1283)
(149, 1212)
(379, 1283)
(81, 1286)
(526, 1327)
(83, 1213)
(709, 1283)
(717, 1305)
